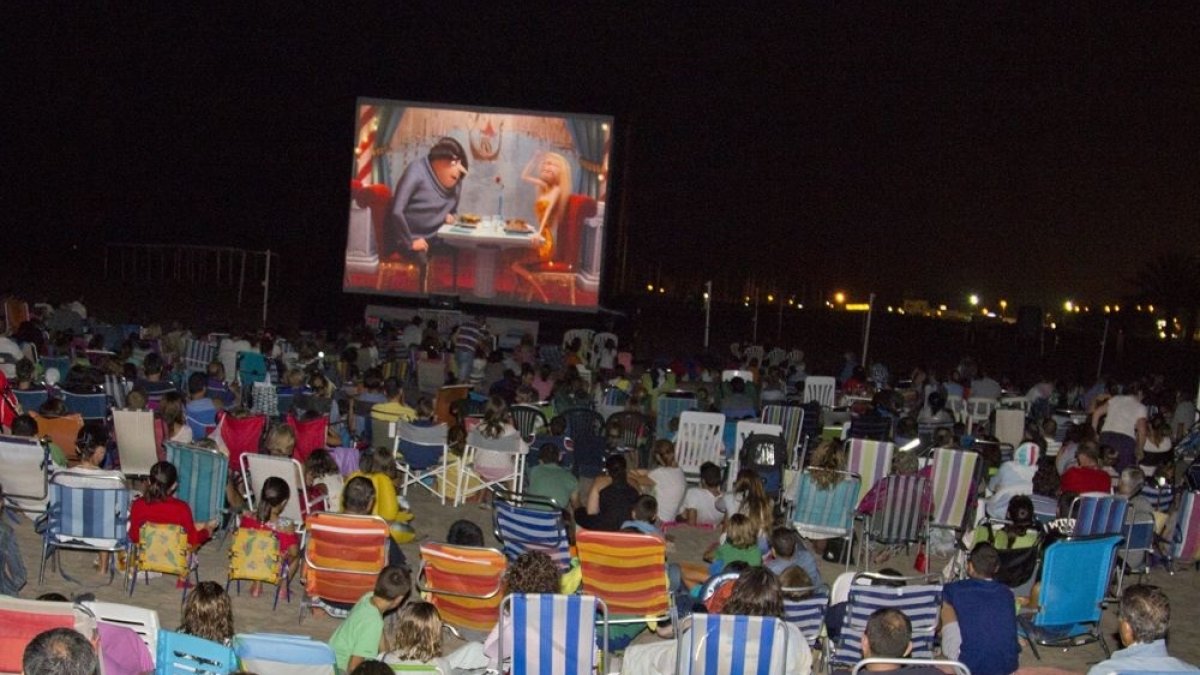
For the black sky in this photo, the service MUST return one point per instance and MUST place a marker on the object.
(1029, 151)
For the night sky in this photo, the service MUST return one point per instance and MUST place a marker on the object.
(1030, 152)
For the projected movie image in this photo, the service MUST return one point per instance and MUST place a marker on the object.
(491, 206)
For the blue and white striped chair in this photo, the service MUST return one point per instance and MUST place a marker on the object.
(900, 517)
(553, 633)
(807, 614)
(1160, 497)
(88, 511)
(274, 653)
(727, 643)
(826, 513)
(920, 599)
(525, 523)
(1096, 515)
(669, 407)
(197, 354)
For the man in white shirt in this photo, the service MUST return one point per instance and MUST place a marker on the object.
(1144, 616)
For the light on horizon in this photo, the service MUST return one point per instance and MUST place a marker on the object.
(973, 299)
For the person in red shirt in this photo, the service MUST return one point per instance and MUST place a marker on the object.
(160, 505)
(1088, 476)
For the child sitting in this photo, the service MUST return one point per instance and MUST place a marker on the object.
(556, 435)
(208, 613)
(643, 518)
(741, 543)
(464, 533)
(322, 476)
(360, 637)
(416, 638)
(788, 550)
(700, 503)
(267, 516)
(281, 441)
(358, 498)
(378, 466)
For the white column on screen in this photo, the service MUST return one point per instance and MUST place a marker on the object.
(485, 271)
(590, 257)
(361, 254)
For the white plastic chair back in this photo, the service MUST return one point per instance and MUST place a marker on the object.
(819, 389)
(136, 445)
(700, 439)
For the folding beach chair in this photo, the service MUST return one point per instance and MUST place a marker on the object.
(1098, 515)
(953, 484)
(256, 469)
(202, 478)
(553, 634)
(464, 583)
(22, 620)
(343, 555)
(25, 473)
(1137, 543)
(240, 436)
(91, 407)
(669, 407)
(870, 460)
(255, 556)
(31, 399)
(1045, 509)
(61, 363)
(197, 354)
(140, 620)
(527, 523)
(265, 400)
(791, 419)
(63, 431)
(292, 654)
(807, 614)
(1010, 426)
(137, 446)
(87, 512)
(310, 435)
(488, 463)
(920, 599)
(700, 439)
(1182, 543)
(163, 548)
(899, 518)
(1075, 576)
(826, 513)
(1160, 496)
(927, 431)
(422, 456)
(181, 654)
(726, 643)
(202, 423)
(628, 572)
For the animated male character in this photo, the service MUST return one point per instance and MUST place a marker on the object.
(425, 198)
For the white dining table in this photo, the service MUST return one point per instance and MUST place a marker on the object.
(487, 239)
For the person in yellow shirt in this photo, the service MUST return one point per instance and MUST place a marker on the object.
(378, 466)
(393, 409)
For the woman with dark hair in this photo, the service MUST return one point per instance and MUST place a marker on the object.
(755, 593)
(610, 500)
(160, 505)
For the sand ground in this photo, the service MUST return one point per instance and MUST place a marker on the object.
(433, 520)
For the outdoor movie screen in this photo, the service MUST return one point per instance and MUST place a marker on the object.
(493, 206)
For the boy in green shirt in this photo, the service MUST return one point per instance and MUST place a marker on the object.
(360, 636)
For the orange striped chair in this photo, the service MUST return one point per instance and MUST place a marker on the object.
(628, 572)
(342, 559)
(464, 583)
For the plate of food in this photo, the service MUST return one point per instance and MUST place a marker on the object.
(517, 226)
(469, 220)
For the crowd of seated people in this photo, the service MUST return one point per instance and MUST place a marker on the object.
(1127, 438)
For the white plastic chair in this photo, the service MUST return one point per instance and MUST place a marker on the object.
(957, 407)
(140, 620)
(728, 375)
(24, 473)
(505, 455)
(819, 389)
(700, 439)
(136, 445)
(753, 352)
(744, 429)
(256, 469)
(979, 411)
(1010, 426)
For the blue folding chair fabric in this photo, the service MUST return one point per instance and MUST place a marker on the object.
(1137, 544)
(826, 513)
(900, 516)
(202, 477)
(727, 643)
(31, 399)
(89, 406)
(275, 653)
(1097, 515)
(202, 422)
(1159, 496)
(523, 524)
(807, 614)
(60, 363)
(1075, 574)
(88, 511)
(1045, 509)
(180, 654)
(920, 600)
(553, 633)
